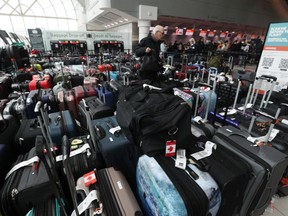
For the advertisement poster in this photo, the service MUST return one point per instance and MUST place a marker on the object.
(189, 32)
(274, 57)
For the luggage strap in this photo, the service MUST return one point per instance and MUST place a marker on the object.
(75, 152)
(85, 204)
(29, 162)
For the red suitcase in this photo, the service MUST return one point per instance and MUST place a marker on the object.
(105, 67)
(83, 92)
(66, 101)
(38, 82)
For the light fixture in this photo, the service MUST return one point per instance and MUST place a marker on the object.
(120, 21)
(116, 23)
(112, 24)
(125, 19)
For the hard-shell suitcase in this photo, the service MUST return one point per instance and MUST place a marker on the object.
(267, 163)
(166, 190)
(117, 196)
(106, 96)
(60, 124)
(44, 95)
(83, 92)
(38, 82)
(66, 101)
(112, 142)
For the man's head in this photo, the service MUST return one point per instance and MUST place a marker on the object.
(158, 32)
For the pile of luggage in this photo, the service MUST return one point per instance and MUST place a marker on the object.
(94, 140)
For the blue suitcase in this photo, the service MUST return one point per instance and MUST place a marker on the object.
(44, 95)
(106, 96)
(166, 190)
(58, 126)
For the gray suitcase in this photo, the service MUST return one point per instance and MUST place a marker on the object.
(267, 163)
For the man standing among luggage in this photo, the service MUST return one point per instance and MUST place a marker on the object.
(149, 47)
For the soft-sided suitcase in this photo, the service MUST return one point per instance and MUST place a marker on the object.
(49, 207)
(267, 163)
(96, 110)
(228, 169)
(7, 157)
(166, 190)
(25, 137)
(117, 196)
(22, 187)
(5, 85)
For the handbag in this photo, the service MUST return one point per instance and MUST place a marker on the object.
(150, 62)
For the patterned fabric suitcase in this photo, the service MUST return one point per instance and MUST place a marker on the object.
(166, 190)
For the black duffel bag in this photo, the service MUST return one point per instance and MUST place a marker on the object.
(153, 118)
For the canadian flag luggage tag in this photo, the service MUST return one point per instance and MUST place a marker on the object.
(170, 148)
(89, 178)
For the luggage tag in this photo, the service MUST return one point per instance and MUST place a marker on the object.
(284, 121)
(258, 141)
(249, 105)
(170, 148)
(209, 146)
(181, 159)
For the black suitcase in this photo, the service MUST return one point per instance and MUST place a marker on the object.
(24, 139)
(22, 187)
(96, 110)
(5, 85)
(267, 163)
(7, 157)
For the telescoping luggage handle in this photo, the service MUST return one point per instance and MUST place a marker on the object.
(209, 99)
(90, 127)
(212, 72)
(68, 172)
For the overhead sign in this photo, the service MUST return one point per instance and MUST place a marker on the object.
(274, 56)
(36, 39)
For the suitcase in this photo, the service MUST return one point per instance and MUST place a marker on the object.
(44, 95)
(90, 82)
(83, 92)
(7, 157)
(24, 139)
(117, 196)
(96, 110)
(166, 190)
(66, 101)
(5, 85)
(267, 163)
(22, 187)
(115, 193)
(107, 96)
(61, 123)
(47, 208)
(228, 169)
(39, 82)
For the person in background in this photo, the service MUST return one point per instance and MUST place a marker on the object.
(163, 49)
(151, 43)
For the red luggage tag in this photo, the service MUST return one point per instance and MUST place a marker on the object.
(89, 178)
(170, 148)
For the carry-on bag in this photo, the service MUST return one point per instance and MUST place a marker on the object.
(267, 163)
(166, 190)
(153, 118)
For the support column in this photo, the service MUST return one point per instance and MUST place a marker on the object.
(144, 26)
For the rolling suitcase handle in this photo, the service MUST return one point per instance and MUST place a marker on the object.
(90, 128)
(39, 145)
(212, 71)
(68, 172)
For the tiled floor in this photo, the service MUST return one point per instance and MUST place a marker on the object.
(278, 208)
